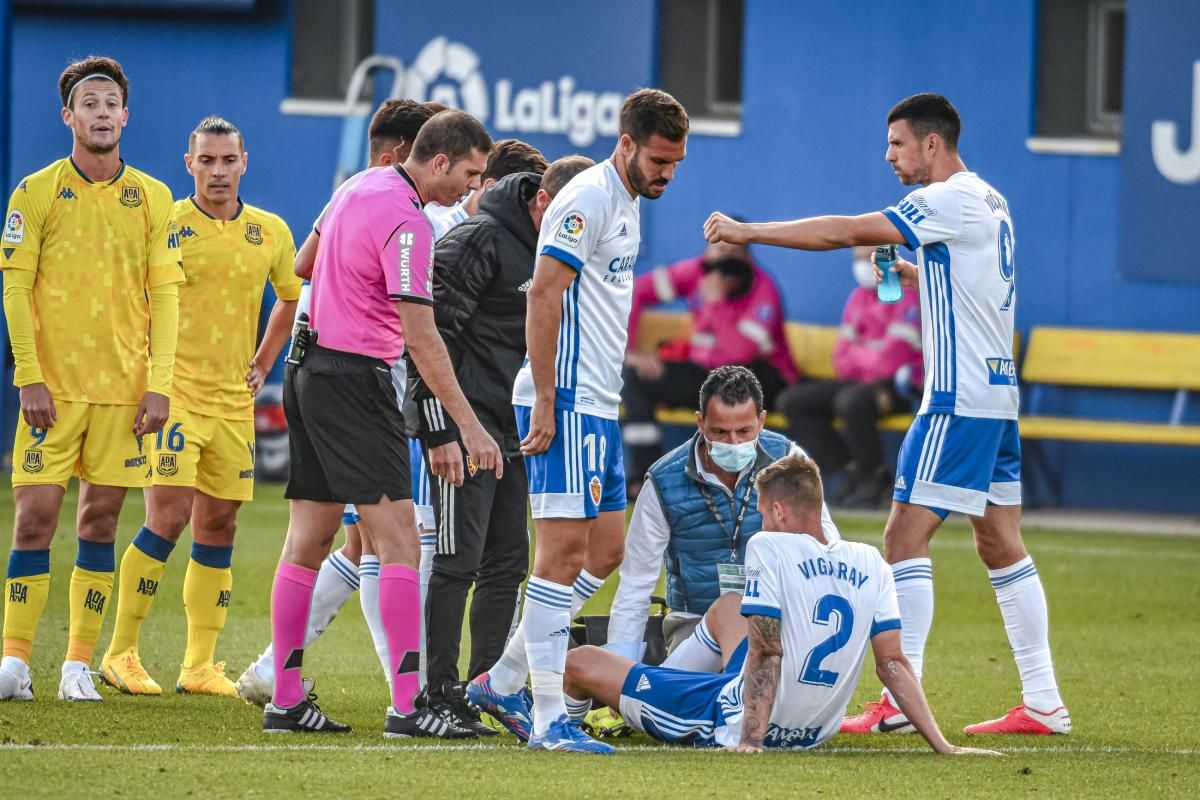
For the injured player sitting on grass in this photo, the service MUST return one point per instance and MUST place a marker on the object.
(801, 615)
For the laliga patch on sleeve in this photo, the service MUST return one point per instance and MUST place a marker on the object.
(14, 227)
(571, 230)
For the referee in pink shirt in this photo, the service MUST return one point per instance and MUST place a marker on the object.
(371, 297)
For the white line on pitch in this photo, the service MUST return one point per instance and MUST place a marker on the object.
(375, 748)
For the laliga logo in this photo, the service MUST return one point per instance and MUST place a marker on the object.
(448, 72)
(1175, 166)
(573, 224)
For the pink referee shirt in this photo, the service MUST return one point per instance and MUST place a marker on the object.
(376, 248)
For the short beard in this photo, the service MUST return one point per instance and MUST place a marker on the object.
(99, 150)
(637, 180)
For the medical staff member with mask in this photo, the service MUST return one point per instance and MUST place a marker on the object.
(878, 371)
(697, 510)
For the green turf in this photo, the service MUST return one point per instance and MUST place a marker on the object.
(1125, 625)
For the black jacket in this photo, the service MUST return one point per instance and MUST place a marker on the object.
(482, 269)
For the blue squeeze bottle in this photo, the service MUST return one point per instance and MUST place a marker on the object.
(890, 290)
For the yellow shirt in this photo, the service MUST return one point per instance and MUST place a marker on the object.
(95, 248)
(227, 263)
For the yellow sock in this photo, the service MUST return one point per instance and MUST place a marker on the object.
(90, 592)
(206, 592)
(24, 599)
(136, 588)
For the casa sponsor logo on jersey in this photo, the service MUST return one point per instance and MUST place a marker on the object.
(14, 227)
(620, 270)
(131, 197)
(571, 230)
(594, 490)
(254, 233)
(1001, 371)
(449, 72)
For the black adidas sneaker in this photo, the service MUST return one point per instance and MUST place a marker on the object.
(422, 721)
(452, 705)
(304, 717)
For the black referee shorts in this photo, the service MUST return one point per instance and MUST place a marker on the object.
(345, 430)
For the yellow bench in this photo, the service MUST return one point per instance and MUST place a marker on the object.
(1090, 358)
(811, 347)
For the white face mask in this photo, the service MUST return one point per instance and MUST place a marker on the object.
(733, 457)
(864, 273)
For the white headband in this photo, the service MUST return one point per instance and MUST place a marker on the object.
(92, 77)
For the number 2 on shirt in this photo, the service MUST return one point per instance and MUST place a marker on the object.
(827, 607)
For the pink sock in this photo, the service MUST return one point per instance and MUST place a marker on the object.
(291, 597)
(400, 607)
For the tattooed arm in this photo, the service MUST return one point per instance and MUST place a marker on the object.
(897, 675)
(763, 662)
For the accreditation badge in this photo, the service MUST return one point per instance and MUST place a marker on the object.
(731, 577)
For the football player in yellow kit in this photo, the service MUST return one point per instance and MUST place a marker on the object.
(203, 458)
(92, 269)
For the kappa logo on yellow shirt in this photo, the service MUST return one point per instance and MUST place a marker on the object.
(254, 233)
(131, 197)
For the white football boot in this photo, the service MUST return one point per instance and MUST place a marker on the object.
(15, 683)
(76, 685)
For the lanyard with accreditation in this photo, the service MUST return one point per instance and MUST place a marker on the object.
(731, 576)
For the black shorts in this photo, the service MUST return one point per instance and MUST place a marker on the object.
(345, 431)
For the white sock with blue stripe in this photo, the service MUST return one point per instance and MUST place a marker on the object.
(577, 709)
(585, 586)
(914, 593)
(1023, 605)
(547, 622)
(336, 581)
(697, 653)
(368, 570)
(509, 673)
(425, 570)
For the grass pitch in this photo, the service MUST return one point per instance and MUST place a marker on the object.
(1125, 625)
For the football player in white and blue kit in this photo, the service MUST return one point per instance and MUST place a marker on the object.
(567, 398)
(811, 605)
(963, 451)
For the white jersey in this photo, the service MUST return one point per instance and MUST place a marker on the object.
(963, 234)
(830, 600)
(593, 225)
(443, 218)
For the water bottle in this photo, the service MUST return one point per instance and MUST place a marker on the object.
(299, 340)
(890, 290)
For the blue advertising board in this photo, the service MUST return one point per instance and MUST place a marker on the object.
(1160, 154)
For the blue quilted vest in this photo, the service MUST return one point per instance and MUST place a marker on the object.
(698, 541)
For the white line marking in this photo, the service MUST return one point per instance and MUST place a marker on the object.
(376, 748)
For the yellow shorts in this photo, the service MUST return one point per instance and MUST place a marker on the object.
(91, 441)
(212, 454)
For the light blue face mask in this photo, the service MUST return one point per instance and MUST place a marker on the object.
(733, 457)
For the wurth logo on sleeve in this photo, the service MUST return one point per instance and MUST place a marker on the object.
(405, 241)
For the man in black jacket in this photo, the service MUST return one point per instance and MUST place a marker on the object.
(482, 270)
